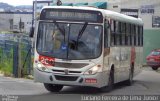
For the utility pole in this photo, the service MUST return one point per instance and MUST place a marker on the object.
(20, 25)
(19, 57)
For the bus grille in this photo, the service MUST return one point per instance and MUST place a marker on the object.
(66, 78)
(70, 65)
(69, 72)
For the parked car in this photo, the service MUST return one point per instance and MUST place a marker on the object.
(153, 59)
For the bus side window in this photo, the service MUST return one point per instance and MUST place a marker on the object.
(141, 35)
(118, 33)
(123, 34)
(133, 34)
(128, 34)
(117, 29)
(113, 31)
(106, 26)
(137, 36)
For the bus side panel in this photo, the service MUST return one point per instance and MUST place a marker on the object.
(113, 58)
(120, 57)
(138, 60)
(125, 62)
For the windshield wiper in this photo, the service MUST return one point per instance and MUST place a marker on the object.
(62, 30)
(81, 33)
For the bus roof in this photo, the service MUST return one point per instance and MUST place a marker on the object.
(123, 18)
(106, 13)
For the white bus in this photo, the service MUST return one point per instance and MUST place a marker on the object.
(85, 46)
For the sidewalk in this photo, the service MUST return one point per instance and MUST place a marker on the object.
(27, 77)
(1, 74)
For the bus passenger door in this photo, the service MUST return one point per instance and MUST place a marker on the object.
(114, 50)
(111, 54)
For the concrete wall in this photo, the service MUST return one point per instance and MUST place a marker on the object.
(7, 25)
(5, 21)
(26, 18)
(151, 41)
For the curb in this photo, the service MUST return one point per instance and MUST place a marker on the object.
(1, 73)
(30, 77)
(144, 65)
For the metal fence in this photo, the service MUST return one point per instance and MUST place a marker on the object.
(15, 55)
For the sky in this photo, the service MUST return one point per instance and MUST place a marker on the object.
(18, 2)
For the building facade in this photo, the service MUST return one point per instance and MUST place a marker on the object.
(149, 11)
(15, 21)
(6, 20)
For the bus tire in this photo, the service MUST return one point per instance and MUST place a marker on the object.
(129, 82)
(154, 68)
(110, 85)
(52, 87)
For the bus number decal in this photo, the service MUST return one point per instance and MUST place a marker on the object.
(47, 61)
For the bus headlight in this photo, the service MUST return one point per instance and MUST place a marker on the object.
(94, 70)
(41, 67)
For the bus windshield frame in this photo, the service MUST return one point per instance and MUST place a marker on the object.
(73, 37)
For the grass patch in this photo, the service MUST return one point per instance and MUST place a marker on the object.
(6, 62)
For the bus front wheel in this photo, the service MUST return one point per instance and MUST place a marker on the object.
(154, 68)
(110, 85)
(52, 87)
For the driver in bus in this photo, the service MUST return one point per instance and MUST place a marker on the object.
(57, 39)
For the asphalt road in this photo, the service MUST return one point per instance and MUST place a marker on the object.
(146, 83)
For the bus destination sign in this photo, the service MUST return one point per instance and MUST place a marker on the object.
(71, 15)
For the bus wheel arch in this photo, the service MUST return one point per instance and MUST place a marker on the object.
(112, 67)
(52, 87)
(110, 78)
(132, 68)
(131, 75)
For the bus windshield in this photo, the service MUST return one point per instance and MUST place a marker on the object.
(69, 40)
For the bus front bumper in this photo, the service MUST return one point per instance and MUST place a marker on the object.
(97, 80)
